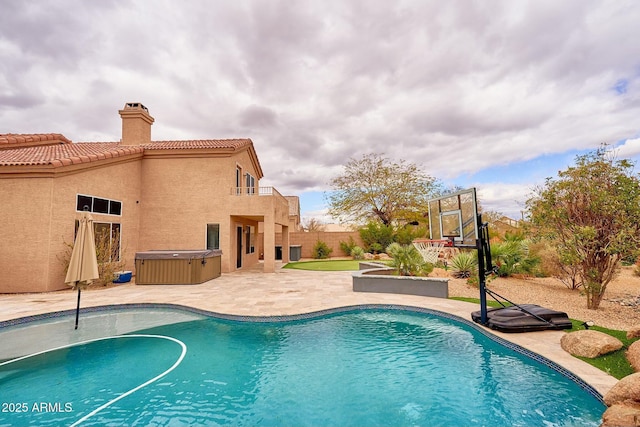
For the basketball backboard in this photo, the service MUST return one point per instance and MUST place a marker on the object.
(454, 217)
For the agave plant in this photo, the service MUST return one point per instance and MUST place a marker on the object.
(464, 265)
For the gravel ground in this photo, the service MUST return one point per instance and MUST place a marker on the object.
(614, 311)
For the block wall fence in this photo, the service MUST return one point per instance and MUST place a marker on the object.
(307, 240)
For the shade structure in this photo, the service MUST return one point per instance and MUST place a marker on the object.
(83, 265)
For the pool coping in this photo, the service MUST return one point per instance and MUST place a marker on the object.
(312, 315)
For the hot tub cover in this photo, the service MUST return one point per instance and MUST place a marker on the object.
(178, 254)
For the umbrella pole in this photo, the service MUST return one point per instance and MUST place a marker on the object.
(78, 308)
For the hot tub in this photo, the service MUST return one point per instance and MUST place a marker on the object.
(181, 267)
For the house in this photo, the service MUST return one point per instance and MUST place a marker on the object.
(147, 195)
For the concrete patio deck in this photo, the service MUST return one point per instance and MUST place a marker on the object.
(254, 293)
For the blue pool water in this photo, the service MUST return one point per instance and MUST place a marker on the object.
(355, 368)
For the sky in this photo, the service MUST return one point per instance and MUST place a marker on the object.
(497, 95)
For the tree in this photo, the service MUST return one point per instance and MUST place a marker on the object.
(591, 215)
(313, 224)
(374, 187)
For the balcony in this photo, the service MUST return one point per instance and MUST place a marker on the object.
(259, 191)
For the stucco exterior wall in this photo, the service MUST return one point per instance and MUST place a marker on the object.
(181, 195)
(25, 231)
(168, 197)
(41, 215)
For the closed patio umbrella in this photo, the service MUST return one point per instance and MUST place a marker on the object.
(83, 265)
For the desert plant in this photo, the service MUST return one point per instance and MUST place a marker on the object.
(108, 254)
(407, 260)
(590, 214)
(375, 248)
(109, 257)
(551, 265)
(464, 265)
(376, 236)
(393, 248)
(407, 234)
(321, 250)
(357, 252)
(513, 257)
(347, 247)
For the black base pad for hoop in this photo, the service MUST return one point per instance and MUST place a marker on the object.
(514, 319)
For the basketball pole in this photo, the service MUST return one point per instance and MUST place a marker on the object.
(480, 246)
(485, 265)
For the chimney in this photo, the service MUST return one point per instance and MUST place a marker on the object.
(136, 124)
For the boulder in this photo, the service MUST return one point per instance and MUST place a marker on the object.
(621, 416)
(589, 343)
(626, 390)
(633, 356)
(633, 332)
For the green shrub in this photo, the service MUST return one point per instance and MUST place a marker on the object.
(347, 247)
(407, 260)
(357, 252)
(513, 257)
(376, 236)
(464, 265)
(407, 234)
(321, 250)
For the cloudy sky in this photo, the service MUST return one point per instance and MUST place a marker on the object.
(493, 94)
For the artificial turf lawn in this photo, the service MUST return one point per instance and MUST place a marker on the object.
(326, 265)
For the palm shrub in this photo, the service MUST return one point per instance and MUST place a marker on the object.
(464, 265)
(407, 260)
(513, 257)
(357, 253)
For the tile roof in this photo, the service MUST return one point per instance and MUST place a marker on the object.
(65, 154)
(234, 144)
(56, 150)
(11, 140)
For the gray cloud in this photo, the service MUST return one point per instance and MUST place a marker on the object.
(455, 86)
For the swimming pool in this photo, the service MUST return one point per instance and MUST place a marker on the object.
(354, 367)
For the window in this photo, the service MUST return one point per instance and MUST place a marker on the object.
(251, 184)
(238, 180)
(115, 208)
(84, 203)
(213, 236)
(107, 238)
(98, 205)
(250, 239)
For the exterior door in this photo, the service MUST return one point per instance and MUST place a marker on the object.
(239, 247)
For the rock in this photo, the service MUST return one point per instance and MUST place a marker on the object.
(589, 343)
(633, 332)
(625, 390)
(633, 356)
(621, 416)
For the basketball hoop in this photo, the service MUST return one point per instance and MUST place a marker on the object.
(430, 249)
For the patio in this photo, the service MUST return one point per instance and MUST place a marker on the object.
(251, 292)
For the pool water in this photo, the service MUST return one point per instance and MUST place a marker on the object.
(356, 368)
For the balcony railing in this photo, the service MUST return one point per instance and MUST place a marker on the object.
(257, 191)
